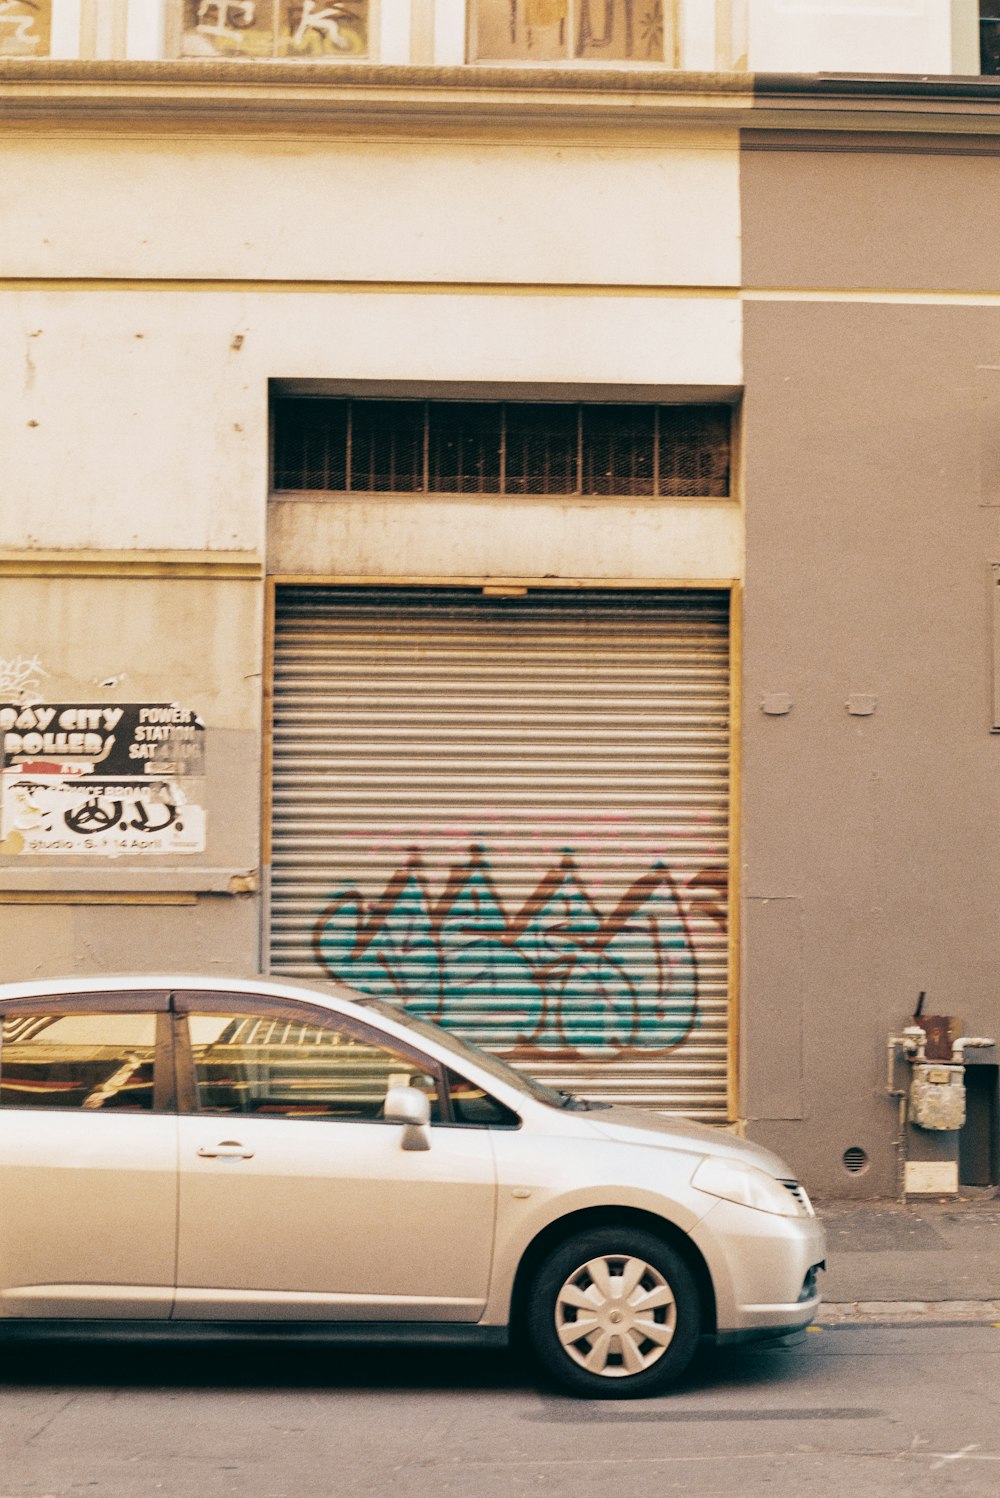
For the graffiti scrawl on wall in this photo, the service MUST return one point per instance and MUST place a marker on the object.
(21, 679)
(557, 977)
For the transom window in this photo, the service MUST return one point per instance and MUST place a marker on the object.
(504, 448)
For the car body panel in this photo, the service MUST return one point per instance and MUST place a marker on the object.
(333, 1219)
(758, 1263)
(571, 1170)
(633, 1126)
(87, 1213)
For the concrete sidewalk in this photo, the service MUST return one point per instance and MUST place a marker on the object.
(912, 1263)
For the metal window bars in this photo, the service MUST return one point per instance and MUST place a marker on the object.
(343, 445)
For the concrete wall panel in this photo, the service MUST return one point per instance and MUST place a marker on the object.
(109, 641)
(139, 418)
(868, 588)
(246, 208)
(215, 935)
(857, 217)
(372, 538)
(772, 964)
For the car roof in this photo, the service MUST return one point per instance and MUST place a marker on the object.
(338, 997)
(308, 990)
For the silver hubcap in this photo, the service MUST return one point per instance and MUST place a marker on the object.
(615, 1315)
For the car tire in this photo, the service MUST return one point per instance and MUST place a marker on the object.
(637, 1306)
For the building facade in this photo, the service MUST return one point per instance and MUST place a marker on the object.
(516, 533)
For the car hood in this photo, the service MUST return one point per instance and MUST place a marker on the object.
(635, 1126)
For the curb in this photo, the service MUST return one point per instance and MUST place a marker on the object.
(909, 1313)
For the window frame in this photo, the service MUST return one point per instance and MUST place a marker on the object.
(174, 1083)
(517, 1121)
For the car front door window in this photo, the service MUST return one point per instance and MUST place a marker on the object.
(275, 1067)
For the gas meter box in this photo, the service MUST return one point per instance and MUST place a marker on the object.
(937, 1096)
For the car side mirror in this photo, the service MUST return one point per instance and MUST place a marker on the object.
(411, 1108)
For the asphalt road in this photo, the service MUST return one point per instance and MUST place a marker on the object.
(870, 1411)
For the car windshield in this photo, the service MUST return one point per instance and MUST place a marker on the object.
(482, 1059)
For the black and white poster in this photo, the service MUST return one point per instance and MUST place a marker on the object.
(106, 780)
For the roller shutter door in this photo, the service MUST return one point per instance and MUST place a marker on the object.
(511, 815)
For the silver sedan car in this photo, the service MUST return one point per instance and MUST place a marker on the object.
(208, 1158)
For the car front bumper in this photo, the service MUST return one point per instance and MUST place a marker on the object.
(765, 1270)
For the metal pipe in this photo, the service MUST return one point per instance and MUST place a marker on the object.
(959, 1046)
(913, 1044)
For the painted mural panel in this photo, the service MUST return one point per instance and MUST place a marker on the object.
(557, 30)
(318, 29)
(310, 30)
(228, 28)
(25, 28)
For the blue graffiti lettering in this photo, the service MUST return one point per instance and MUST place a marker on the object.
(558, 979)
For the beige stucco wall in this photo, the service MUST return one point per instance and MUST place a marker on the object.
(172, 452)
(154, 278)
(312, 207)
(644, 539)
(152, 287)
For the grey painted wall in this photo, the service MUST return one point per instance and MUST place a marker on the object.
(854, 210)
(872, 523)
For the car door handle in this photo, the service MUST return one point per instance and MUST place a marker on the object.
(228, 1149)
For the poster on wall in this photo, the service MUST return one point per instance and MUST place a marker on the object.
(85, 779)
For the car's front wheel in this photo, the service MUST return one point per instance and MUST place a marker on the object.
(614, 1313)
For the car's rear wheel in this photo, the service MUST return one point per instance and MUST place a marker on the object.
(614, 1313)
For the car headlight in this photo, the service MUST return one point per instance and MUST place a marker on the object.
(749, 1187)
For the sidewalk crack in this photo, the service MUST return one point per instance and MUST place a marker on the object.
(54, 1416)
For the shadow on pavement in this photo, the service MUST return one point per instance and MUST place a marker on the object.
(399, 1368)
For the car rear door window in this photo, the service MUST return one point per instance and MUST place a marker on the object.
(90, 1061)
